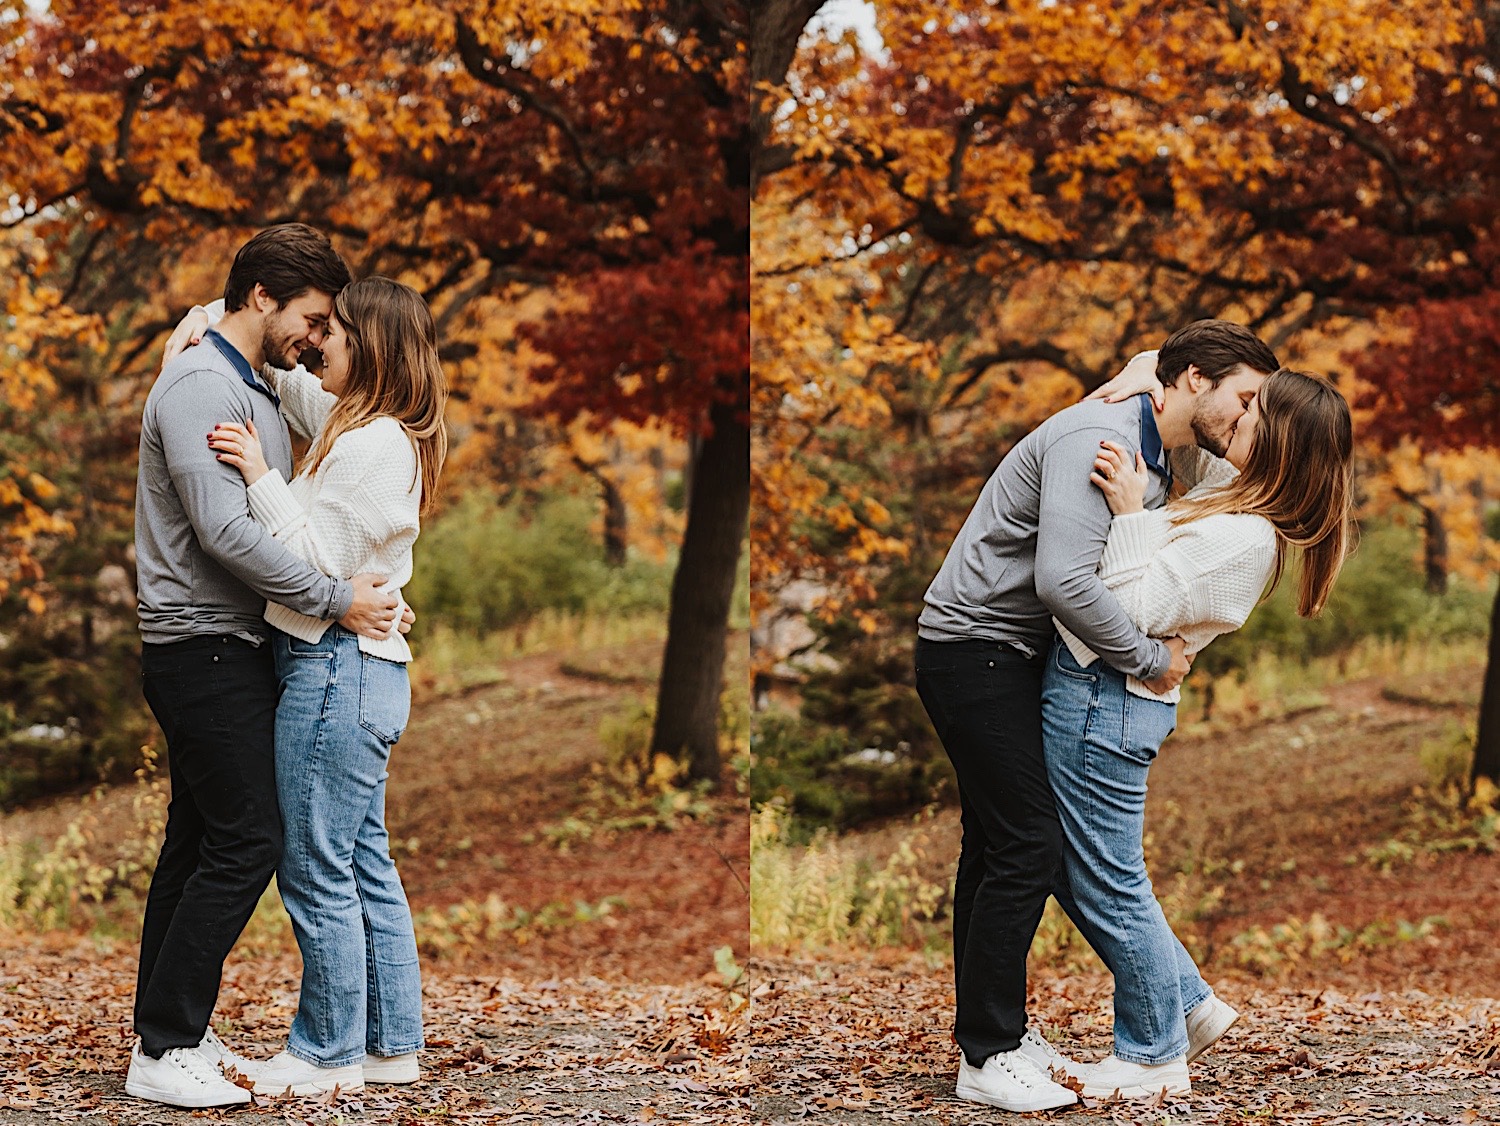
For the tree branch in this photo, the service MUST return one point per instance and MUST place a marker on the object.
(487, 69)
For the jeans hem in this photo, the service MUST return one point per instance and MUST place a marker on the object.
(387, 1053)
(1151, 1061)
(305, 1058)
(1189, 1006)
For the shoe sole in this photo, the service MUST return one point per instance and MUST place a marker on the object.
(145, 1091)
(306, 1090)
(1040, 1102)
(1140, 1092)
(392, 1069)
(394, 1077)
(1220, 1026)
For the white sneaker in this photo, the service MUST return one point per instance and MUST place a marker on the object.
(285, 1074)
(182, 1077)
(1208, 1021)
(392, 1069)
(1012, 1082)
(1113, 1076)
(215, 1052)
(1048, 1059)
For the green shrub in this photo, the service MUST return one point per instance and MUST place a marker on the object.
(74, 714)
(1449, 759)
(483, 566)
(824, 777)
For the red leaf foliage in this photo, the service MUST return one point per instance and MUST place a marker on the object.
(1442, 386)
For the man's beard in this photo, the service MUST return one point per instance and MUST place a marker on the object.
(1210, 442)
(275, 345)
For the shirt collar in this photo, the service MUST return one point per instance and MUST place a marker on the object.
(1151, 447)
(241, 365)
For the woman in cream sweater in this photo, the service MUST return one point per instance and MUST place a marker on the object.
(375, 419)
(1194, 569)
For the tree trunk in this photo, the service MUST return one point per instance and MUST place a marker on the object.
(1487, 747)
(692, 672)
(615, 537)
(1434, 550)
(775, 27)
(615, 516)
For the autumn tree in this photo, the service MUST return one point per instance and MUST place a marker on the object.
(1440, 384)
(597, 150)
(1034, 191)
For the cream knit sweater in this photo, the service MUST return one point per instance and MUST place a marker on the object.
(1194, 580)
(357, 514)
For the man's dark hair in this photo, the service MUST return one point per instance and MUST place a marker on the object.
(1216, 348)
(288, 261)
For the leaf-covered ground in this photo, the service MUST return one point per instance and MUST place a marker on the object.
(866, 1041)
(1351, 922)
(547, 1009)
(499, 1048)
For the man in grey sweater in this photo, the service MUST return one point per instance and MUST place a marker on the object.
(1028, 552)
(206, 571)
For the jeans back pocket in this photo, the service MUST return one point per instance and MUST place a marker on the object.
(384, 697)
(320, 650)
(1065, 663)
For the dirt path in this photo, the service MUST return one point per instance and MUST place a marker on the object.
(858, 1042)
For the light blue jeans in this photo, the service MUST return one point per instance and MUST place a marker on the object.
(1100, 741)
(339, 714)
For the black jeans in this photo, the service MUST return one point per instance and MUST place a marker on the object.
(985, 701)
(215, 699)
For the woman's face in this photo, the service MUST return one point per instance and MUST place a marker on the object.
(335, 349)
(1240, 441)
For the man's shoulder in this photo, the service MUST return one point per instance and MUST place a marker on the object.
(1123, 419)
(198, 370)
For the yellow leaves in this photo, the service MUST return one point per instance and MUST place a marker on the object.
(1408, 483)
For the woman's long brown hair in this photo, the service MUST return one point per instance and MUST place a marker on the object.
(1298, 476)
(394, 372)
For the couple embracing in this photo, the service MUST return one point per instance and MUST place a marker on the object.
(1111, 545)
(274, 660)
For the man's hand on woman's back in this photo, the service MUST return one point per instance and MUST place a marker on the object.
(1176, 672)
(373, 612)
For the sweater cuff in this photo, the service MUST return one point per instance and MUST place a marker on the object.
(272, 503)
(1131, 544)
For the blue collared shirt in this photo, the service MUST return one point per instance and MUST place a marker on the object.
(1151, 447)
(247, 373)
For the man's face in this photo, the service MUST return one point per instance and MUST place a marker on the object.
(1217, 409)
(295, 327)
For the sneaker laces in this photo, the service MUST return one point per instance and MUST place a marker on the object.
(1024, 1071)
(1038, 1041)
(191, 1061)
(226, 1057)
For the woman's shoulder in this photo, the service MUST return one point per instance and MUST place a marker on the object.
(377, 446)
(1251, 529)
(377, 434)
